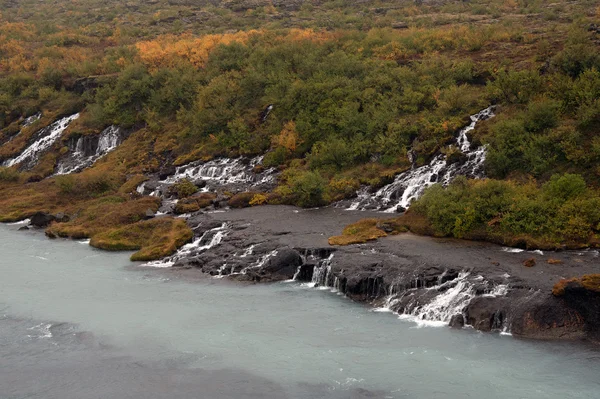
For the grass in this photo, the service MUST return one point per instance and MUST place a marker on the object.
(589, 282)
(360, 232)
(154, 239)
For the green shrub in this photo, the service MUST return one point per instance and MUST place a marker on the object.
(8, 175)
(307, 189)
(183, 188)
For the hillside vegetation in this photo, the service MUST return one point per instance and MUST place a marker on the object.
(353, 85)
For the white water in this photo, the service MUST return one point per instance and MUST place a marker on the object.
(123, 332)
(26, 123)
(411, 184)
(450, 302)
(210, 239)
(50, 134)
(110, 139)
(31, 119)
(224, 171)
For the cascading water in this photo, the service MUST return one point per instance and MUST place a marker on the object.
(442, 307)
(44, 138)
(321, 276)
(210, 239)
(86, 151)
(410, 185)
(224, 171)
(236, 175)
(31, 119)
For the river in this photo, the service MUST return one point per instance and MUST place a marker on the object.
(80, 323)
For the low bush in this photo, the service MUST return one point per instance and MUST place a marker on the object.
(8, 175)
(183, 188)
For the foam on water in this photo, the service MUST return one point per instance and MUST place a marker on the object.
(24, 221)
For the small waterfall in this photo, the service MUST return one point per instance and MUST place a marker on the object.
(261, 262)
(442, 307)
(31, 119)
(44, 139)
(322, 274)
(224, 171)
(87, 151)
(210, 239)
(410, 185)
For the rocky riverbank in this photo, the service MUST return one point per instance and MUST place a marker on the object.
(429, 280)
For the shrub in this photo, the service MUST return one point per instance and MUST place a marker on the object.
(183, 188)
(307, 189)
(516, 87)
(8, 175)
(564, 187)
(241, 200)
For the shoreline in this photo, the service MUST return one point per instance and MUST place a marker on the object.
(485, 285)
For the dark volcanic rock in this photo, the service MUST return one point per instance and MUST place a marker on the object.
(61, 217)
(457, 321)
(42, 219)
(284, 264)
(466, 283)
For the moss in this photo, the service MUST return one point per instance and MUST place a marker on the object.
(193, 204)
(359, 232)
(259, 199)
(241, 200)
(9, 175)
(154, 239)
(589, 282)
(183, 189)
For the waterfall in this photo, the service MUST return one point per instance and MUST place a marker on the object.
(44, 140)
(261, 262)
(86, 152)
(442, 307)
(410, 185)
(210, 239)
(322, 273)
(224, 171)
(31, 119)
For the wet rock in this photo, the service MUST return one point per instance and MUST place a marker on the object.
(61, 217)
(149, 214)
(529, 262)
(22, 228)
(35, 179)
(284, 264)
(457, 321)
(387, 227)
(166, 172)
(547, 317)
(42, 219)
(400, 209)
(486, 313)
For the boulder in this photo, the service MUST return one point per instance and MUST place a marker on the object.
(61, 217)
(166, 172)
(22, 228)
(42, 219)
(457, 321)
(149, 214)
(283, 264)
(529, 262)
